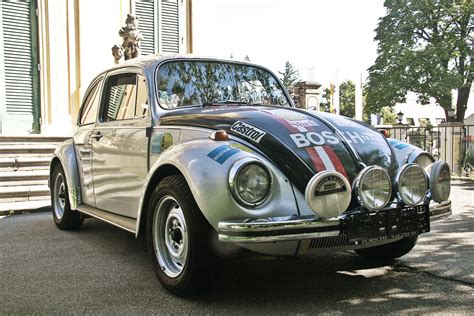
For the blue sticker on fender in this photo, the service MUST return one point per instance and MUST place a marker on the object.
(397, 144)
(222, 153)
(156, 143)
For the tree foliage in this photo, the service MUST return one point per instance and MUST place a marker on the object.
(325, 104)
(389, 116)
(424, 46)
(290, 76)
(347, 99)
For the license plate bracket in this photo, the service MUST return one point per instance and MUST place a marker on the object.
(362, 227)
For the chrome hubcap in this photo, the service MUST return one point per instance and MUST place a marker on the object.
(59, 195)
(170, 236)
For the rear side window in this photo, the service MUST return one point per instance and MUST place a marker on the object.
(89, 109)
(126, 98)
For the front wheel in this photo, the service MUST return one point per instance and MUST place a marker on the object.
(178, 238)
(389, 251)
(63, 216)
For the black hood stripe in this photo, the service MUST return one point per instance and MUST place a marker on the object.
(298, 142)
(326, 160)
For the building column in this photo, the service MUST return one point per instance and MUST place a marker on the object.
(58, 60)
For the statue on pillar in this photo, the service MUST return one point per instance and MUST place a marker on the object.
(132, 36)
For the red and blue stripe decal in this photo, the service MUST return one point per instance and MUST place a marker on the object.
(322, 157)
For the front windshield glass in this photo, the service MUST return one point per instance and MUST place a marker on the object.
(195, 83)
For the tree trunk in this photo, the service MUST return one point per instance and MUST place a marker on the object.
(461, 103)
(445, 102)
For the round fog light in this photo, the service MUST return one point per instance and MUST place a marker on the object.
(373, 187)
(440, 181)
(328, 194)
(411, 184)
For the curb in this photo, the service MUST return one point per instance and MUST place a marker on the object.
(40, 209)
(464, 179)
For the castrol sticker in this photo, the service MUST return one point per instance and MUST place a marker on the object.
(248, 131)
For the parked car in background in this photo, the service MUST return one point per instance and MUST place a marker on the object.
(194, 152)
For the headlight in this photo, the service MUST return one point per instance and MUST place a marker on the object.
(250, 182)
(373, 187)
(411, 184)
(424, 160)
(440, 181)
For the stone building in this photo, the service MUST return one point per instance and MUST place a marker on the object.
(51, 49)
(306, 94)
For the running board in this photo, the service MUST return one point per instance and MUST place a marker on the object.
(126, 223)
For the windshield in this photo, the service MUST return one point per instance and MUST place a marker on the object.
(195, 83)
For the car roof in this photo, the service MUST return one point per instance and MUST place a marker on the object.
(151, 61)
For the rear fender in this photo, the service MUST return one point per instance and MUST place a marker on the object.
(66, 156)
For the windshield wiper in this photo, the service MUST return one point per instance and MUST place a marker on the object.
(220, 102)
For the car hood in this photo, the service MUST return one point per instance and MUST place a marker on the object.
(299, 142)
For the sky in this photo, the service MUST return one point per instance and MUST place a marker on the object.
(327, 41)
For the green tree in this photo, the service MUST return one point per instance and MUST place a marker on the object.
(325, 104)
(290, 76)
(347, 99)
(389, 116)
(424, 46)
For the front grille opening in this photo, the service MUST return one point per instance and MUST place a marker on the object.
(327, 242)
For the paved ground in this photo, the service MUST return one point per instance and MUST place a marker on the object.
(103, 270)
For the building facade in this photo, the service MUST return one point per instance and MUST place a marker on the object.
(50, 50)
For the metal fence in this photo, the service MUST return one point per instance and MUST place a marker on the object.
(451, 143)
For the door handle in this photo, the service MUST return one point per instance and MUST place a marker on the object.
(97, 136)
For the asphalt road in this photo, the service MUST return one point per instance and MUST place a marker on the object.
(102, 270)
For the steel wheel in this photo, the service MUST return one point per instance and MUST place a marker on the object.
(59, 196)
(63, 216)
(170, 237)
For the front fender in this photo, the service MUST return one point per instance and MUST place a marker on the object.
(66, 155)
(405, 152)
(206, 173)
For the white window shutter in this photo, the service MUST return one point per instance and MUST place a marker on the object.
(146, 10)
(163, 24)
(169, 21)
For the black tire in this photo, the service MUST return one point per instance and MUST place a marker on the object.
(174, 220)
(63, 216)
(389, 251)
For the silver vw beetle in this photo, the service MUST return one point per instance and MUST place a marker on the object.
(197, 153)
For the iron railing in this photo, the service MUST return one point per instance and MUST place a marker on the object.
(451, 143)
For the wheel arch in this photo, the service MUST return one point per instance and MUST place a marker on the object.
(65, 156)
(159, 174)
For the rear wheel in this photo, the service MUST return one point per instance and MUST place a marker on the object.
(63, 216)
(178, 238)
(389, 251)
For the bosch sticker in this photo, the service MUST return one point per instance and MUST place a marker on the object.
(314, 139)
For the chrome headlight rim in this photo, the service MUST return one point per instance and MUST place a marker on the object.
(357, 187)
(238, 166)
(398, 176)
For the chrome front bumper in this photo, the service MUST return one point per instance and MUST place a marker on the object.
(293, 228)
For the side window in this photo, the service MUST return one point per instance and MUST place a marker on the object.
(142, 97)
(89, 108)
(120, 98)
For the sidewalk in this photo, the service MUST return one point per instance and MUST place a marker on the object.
(11, 208)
